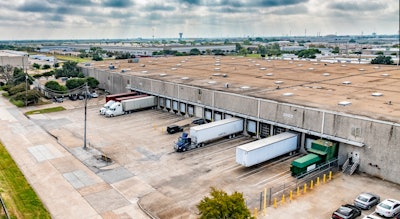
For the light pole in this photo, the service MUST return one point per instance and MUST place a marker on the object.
(84, 132)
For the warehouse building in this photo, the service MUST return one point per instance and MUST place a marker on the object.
(353, 105)
(14, 58)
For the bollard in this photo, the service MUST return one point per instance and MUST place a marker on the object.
(283, 198)
(162, 130)
(291, 195)
(324, 180)
(265, 202)
(305, 188)
(298, 191)
(330, 175)
(317, 181)
(312, 184)
(275, 204)
(255, 212)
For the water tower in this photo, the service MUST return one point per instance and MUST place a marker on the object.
(180, 36)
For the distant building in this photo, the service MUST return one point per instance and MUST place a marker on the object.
(14, 58)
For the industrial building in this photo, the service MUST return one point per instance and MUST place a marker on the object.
(354, 105)
(14, 58)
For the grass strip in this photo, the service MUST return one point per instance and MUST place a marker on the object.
(20, 199)
(47, 110)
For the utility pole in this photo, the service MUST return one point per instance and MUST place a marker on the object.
(26, 80)
(84, 133)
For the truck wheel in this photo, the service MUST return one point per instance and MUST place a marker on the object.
(183, 149)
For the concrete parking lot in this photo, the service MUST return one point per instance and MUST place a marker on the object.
(143, 168)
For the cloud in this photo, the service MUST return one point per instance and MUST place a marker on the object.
(34, 6)
(117, 3)
(357, 5)
(158, 7)
(291, 10)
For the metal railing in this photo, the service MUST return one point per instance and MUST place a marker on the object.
(284, 189)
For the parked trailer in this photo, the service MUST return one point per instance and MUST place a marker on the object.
(106, 106)
(267, 148)
(200, 135)
(130, 105)
(114, 96)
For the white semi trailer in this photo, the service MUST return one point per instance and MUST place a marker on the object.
(267, 148)
(130, 105)
(199, 135)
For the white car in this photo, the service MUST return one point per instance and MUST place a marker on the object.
(94, 95)
(388, 208)
(372, 216)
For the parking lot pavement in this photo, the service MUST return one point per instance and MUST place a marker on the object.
(325, 199)
(144, 168)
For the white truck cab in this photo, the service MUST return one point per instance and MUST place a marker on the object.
(115, 110)
(106, 107)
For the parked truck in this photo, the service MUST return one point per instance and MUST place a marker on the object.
(266, 149)
(131, 105)
(114, 96)
(202, 134)
(106, 106)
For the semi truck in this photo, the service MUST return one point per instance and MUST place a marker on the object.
(131, 105)
(202, 134)
(266, 149)
(106, 106)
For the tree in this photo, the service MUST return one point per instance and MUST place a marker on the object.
(238, 47)
(335, 50)
(92, 82)
(46, 66)
(223, 206)
(36, 65)
(69, 69)
(74, 83)
(6, 73)
(194, 52)
(31, 96)
(384, 60)
(54, 86)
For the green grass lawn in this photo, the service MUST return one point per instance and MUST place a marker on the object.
(20, 199)
(47, 110)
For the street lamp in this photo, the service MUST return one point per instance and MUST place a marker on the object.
(84, 133)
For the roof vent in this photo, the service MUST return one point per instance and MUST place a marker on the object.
(263, 68)
(212, 82)
(326, 74)
(377, 94)
(344, 103)
(185, 78)
(244, 87)
(183, 61)
(299, 65)
(346, 82)
(216, 69)
(291, 62)
(385, 75)
(257, 64)
(278, 82)
(173, 69)
(311, 69)
(163, 75)
(217, 74)
(377, 67)
(178, 64)
(287, 94)
(217, 64)
(144, 72)
(315, 63)
(344, 65)
(269, 74)
(361, 69)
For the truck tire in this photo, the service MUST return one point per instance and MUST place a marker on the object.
(183, 149)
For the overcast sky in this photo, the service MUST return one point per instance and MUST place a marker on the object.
(110, 19)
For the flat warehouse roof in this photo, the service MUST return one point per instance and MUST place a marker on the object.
(359, 89)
